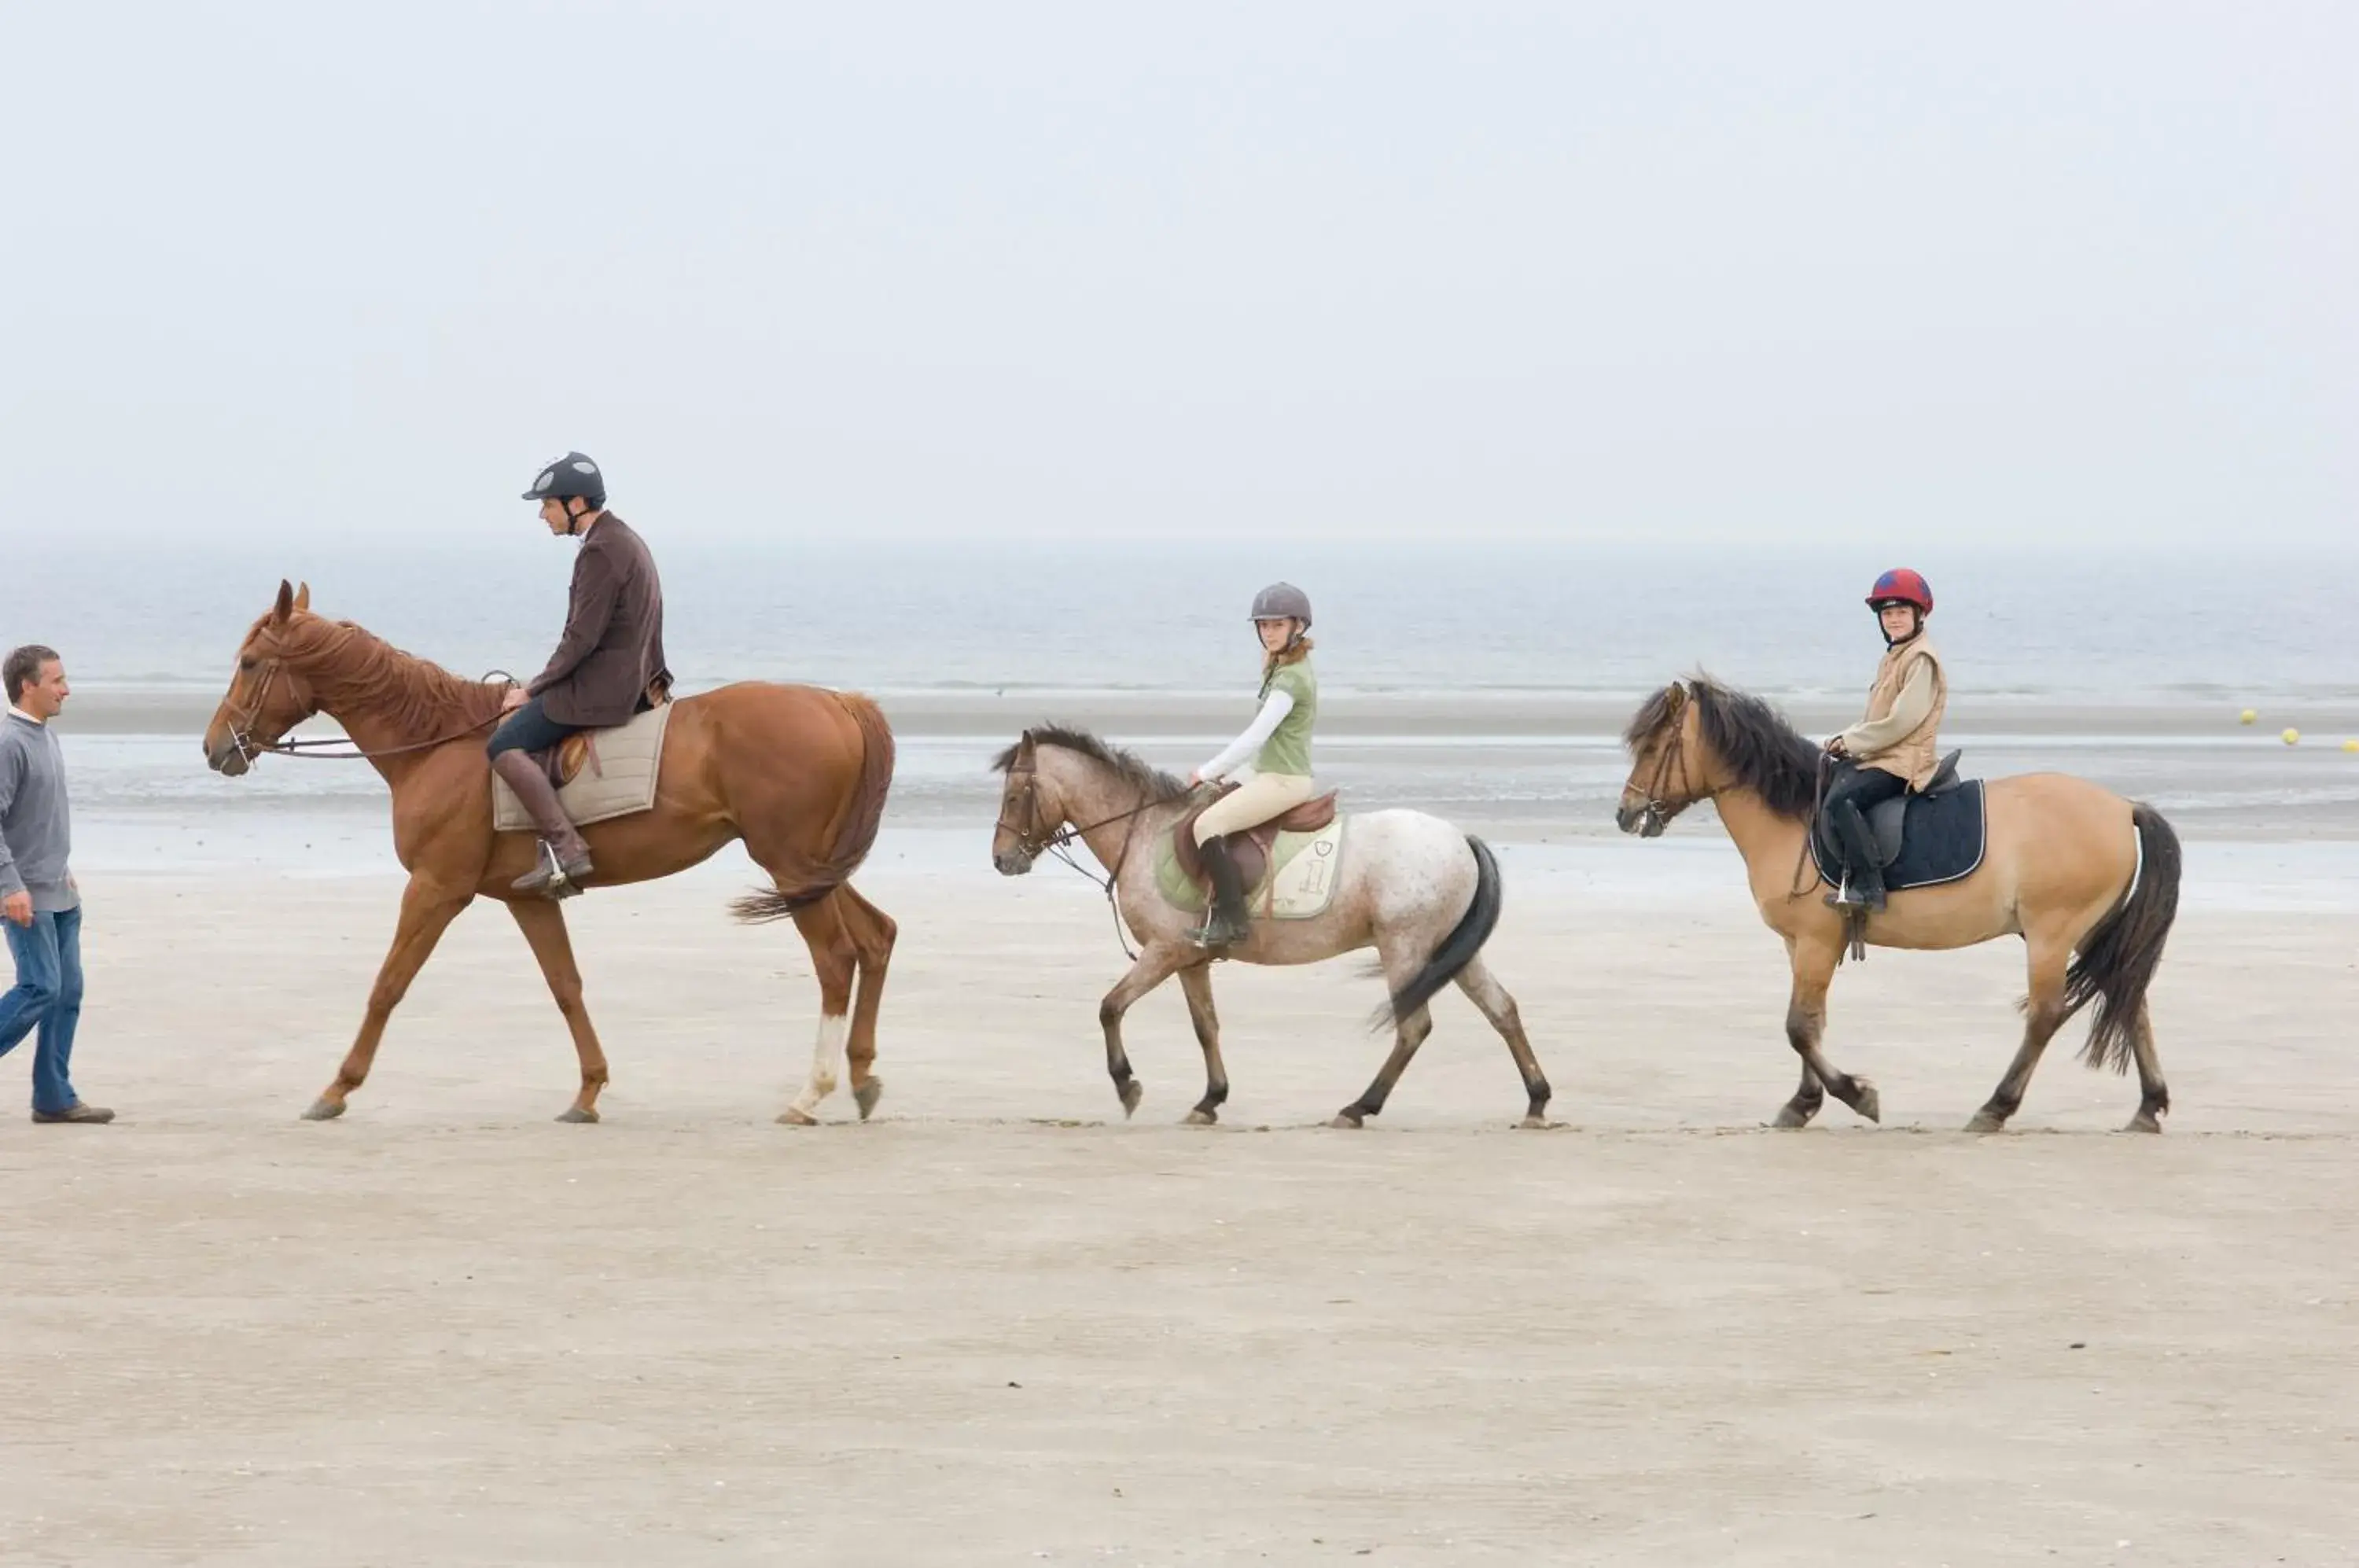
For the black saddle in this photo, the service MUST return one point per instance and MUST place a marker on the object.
(1933, 835)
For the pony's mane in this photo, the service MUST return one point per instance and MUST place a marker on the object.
(1159, 785)
(1761, 751)
(361, 671)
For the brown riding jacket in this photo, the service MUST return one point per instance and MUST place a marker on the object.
(610, 662)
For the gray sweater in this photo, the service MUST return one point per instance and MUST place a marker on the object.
(36, 831)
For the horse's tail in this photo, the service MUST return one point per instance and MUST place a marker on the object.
(858, 834)
(1457, 950)
(2117, 960)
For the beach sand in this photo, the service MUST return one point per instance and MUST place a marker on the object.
(1000, 1326)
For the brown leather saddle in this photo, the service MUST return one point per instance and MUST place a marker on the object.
(1250, 849)
(565, 761)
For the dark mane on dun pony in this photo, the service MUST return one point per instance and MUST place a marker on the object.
(359, 669)
(1159, 785)
(1760, 750)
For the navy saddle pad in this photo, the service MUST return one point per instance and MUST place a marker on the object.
(1923, 840)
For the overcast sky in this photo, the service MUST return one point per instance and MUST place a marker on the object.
(1688, 273)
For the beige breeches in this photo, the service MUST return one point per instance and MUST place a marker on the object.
(1258, 799)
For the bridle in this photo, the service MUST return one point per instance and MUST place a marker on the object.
(1059, 843)
(242, 741)
(1655, 816)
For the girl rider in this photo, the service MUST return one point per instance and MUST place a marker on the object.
(1278, 742)
(1894, 747)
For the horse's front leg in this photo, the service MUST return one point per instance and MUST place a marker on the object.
(1196, 980)
(1805, 1022)
(428, 907)
(543, 922)
(1153, 967)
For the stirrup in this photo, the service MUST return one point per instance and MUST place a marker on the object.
(552, 877)
(1210, 940)
(1848, 897)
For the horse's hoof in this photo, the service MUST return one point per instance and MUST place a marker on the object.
(868, 1095)
(1348, 1119)
(1983, 1121)
(793, 1118)
(1131, 1092)
(1200, 1117)
(1866, 1104)
(578, 1114)
(1536, 1120)
(323, 1109)
(2143, 1122)
(1791, 1116)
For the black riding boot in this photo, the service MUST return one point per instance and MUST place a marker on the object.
(1227, 924)
(525, 775)
(1865, 877)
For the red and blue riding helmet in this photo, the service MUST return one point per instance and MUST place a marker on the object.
(1901, 587)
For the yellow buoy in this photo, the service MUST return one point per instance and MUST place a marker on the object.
(2247, 716)
(2350, 746)
(2290, 736)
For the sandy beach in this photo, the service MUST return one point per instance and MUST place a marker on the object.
(998, 1324)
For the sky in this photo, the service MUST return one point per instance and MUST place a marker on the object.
(1698, 276)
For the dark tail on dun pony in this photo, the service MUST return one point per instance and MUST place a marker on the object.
(2116, 961)
(1457, 950)
(858, 834)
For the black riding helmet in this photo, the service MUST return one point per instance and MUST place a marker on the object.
(571, 476)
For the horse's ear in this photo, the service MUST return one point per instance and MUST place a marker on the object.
(303, 597)
(284, 607)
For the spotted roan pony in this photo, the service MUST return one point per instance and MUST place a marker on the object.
(2088, 880)
(1424, 895)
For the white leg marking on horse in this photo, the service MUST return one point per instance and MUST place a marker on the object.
(825, 1055)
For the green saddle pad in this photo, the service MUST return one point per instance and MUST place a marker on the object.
(1298, 886)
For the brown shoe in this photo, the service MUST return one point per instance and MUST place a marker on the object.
(78, 1112)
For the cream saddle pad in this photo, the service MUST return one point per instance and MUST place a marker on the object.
(617, 776)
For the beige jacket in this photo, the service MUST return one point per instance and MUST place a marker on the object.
(1901, 735)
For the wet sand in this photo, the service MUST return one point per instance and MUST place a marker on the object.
(1347, 713)
(1000, 1326)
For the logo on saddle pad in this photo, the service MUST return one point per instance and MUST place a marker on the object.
(1294, 880)
(599, 773)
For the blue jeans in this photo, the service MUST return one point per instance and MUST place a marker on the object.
(528, 729)
(47, 997)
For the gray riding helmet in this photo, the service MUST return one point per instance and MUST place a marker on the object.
(569, 476)
(1282, 601)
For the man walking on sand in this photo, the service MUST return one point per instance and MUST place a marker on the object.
(41, 908)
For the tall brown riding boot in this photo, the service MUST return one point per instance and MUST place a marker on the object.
(560, 871)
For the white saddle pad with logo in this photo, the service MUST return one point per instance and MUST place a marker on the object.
(618, 778)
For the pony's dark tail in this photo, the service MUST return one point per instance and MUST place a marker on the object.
(2116, 961)
(1457, 950)
(857, 836)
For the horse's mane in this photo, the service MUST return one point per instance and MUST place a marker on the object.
(1159, 785)
(1762, 752)
(361, 671)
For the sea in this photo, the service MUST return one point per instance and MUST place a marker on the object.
(2075, 626)
(1481, 681)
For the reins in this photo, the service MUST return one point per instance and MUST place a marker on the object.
(1060, 845)
(319, 750)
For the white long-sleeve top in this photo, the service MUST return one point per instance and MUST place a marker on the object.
(1274, 709)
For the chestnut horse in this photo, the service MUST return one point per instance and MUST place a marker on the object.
(798, 773)
(2088, 880)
